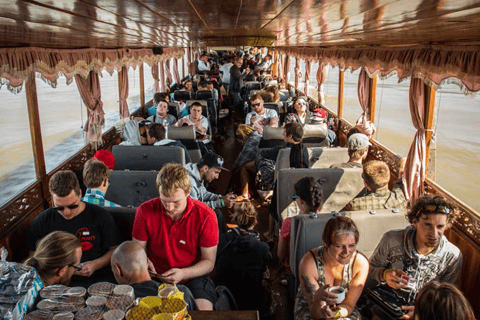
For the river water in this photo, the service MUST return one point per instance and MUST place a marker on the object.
(62, 115)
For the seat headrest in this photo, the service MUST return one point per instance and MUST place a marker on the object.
(182, 133)
(204, 94)
(315, 131)
(181, 95)
(272, 133)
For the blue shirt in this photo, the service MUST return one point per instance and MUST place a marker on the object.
(97, 197)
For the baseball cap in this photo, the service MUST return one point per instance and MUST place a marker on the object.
(212, 160)
(106, 157)
(358, 141)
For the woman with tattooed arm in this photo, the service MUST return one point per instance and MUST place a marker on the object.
(336, 263)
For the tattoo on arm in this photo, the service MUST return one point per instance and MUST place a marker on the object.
(308, 285)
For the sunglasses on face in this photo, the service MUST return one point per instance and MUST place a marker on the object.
(71, 207)
(300, 103)
(143, 134)
(294, 197)
(77, 268)
(256, 104)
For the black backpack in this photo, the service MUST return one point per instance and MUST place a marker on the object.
(225, 299)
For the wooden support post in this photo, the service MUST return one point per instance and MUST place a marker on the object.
(142, 85)
(296, 70)
(372, 96)
(120, 79)
(341, 77)
(36, 136)
(429, 118)
(274, 65)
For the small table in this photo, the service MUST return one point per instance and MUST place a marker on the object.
(224, 315)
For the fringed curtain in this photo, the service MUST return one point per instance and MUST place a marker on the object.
(286, 68)
(414, 174)
(363, 89)
(168, 74)
(91, 94)
(307, 76)
(432, 63)
(279, 66)
(123, 106)
(156, 86)
(297, 71)
(163, 86)
(176, 75)
(321, 77)
(17, 63)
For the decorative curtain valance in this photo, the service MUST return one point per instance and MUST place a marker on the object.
(17, 63)
(432, 64)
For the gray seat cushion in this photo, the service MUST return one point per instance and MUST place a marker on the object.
(146, 157)
(339, 186)
(325, 157)
(132, 188)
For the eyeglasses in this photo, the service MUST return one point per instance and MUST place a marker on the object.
(71, 207)
(432, 208)
(294, 197)
(77, 268)
(256, 104)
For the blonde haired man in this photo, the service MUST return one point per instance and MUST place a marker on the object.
(180, 235)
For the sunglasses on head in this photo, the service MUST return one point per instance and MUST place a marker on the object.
(256, 104)
(71, 207)
(432, 208)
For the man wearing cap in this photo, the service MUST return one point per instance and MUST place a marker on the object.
(180, 235)
(376, 195)
(208, 169)
(357, 145)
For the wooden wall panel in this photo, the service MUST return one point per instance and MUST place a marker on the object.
(470, 280)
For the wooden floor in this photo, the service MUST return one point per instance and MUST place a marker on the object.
(229, 149)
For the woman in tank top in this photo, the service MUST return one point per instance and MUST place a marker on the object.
(335, 263)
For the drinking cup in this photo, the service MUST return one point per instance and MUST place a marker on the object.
(339, 292)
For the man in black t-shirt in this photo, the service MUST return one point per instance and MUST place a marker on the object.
(94, 227)
(129, 266)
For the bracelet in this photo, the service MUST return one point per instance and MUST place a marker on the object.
(384, 274)
(337, 315)
(222, 202)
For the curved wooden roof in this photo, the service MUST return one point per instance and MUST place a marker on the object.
(174, 23)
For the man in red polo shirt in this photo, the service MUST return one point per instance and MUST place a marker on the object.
(180, 235)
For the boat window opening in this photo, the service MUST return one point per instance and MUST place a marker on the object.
(330, 88)
(351, 105)
(60, 120)
(458, 143)
(17, 169)
(394, 128)
(148, 81)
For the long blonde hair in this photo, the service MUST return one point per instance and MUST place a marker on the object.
(53, 252)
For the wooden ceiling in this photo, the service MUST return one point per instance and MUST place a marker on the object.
(172, 23)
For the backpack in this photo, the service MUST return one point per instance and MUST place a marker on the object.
(225, 299)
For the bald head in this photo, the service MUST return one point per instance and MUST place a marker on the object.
(131, 257)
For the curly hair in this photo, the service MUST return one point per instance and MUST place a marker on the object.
(244, 214)
(376, 174)
(442, 301)
(432, 204)
(309, 190)
(337, 225)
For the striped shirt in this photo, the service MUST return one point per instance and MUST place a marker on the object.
(97, 197)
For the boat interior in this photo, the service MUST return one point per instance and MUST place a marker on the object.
(427, 40)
